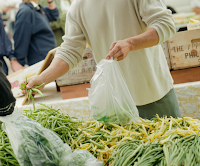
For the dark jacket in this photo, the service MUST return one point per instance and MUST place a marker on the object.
(7, 100)
(5, 46)
(33, 35)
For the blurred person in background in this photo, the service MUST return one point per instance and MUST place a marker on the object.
(9, 8)
(33, 36)
(12, 14)
(6, 50)
(58, 26)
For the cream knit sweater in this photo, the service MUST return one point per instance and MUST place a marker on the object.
(101, 22)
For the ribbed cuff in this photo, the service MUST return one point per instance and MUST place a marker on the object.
(11, 55)
(7, 110)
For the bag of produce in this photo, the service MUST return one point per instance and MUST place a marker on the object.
(33, 144)
(81, 157)
(109, 98)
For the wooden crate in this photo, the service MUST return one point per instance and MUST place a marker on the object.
(82, 73)
(74, 91)
(186, 75)
(166, 51)
(184, 49)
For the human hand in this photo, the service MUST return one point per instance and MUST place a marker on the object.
(119, 50)
(33, 82)
(196, 10)
(51, 4)
(15, 65)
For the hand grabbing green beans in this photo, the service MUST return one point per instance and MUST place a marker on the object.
(29, 92)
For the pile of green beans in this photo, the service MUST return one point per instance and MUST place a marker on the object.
(7, 156)
(178, 151)
(182, 151)
(136, 153)
(63, 125)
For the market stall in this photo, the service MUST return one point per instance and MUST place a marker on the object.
(150, 137)
(61, 130)
(188, 95)
(182, 19)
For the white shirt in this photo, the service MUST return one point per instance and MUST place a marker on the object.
(195, 3)
(101, 22)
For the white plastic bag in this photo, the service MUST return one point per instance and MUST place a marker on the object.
(81, 157)
(33, 144)
(109, 98)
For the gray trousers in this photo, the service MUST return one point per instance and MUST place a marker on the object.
(167, 106)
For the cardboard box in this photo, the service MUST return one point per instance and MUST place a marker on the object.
(74, 91)
(184, 49)
(193, 26)
(82, 73)
(186, 75)
(166, 51)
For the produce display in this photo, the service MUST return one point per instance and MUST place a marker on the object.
(7, 156)
(184, 18)
(64, 126)
(103, 141)
(160, 141)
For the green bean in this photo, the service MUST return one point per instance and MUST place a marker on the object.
(132, 155)
(136, 157)
(61, 127)
(99, 137)
(123, 157)
(112, 137)
(109, 160)
(10, 152)
(39, 86)
(101, 146)
(37, 90)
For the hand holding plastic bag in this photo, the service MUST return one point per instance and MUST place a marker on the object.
(33, 144)
(109, 98)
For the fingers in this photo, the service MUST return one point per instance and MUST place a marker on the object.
(113, 52)
(119, 58)
(23, 92)
(119, 53)
(30, 83)
(112, 46)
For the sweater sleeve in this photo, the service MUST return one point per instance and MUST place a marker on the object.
(52, 15)
(7, 100)
(74, 45)
(155, 14)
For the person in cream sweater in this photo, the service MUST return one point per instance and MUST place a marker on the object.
(131, 32)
